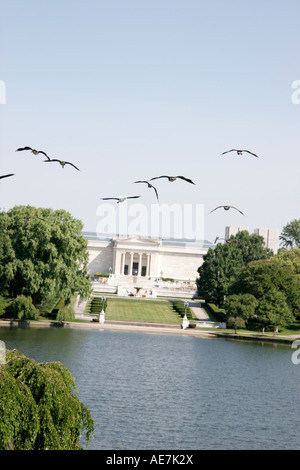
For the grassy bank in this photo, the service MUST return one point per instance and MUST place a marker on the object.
(141, 310)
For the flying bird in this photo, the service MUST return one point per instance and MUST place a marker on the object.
(240, 152)
(119, 199)
(6, 176)
(149, 186)
(34, 151)
(226, 208)
(173, 178)
(61, 162)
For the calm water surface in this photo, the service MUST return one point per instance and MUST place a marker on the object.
(154, 391)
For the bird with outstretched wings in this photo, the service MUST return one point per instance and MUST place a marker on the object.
(61, 162)
(226, 208)
(34, 151)
(119, 199)
(240, 152)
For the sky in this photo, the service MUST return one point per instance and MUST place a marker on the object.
(129, 90)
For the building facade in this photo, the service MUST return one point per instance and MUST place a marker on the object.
(140, 257)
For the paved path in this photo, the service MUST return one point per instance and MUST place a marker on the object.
(198, 311)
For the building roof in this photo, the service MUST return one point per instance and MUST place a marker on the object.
(93, 236)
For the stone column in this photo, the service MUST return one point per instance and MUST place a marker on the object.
(130, 264)
(140, 264)
(122, 263)
(148, 265)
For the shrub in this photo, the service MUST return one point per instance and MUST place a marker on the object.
(217, 313)
(235, 322)
(65, 314)
(22, 308)
(180, 309)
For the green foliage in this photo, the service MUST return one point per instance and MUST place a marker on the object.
(217, 313)
(290, 235)
(38, 407)
(95, 305)
(22, 308)
(235, 322)
(3, 304)
(223, 264)
(273, 309)
(65, 314)
(42, 254)
(180, 309)
(241, 306)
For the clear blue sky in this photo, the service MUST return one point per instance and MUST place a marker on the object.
(132, 89)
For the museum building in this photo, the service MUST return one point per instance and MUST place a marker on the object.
(136, 256)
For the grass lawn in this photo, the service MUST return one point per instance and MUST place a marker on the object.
(141, 310)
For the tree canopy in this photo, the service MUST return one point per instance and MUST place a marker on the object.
(223, 264)
(38, 407)
(42, 255)
(252, 284)
(290, 235)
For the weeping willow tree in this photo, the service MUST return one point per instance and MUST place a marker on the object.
(39, 409)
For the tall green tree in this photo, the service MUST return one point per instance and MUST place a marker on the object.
(273, 309)
(290, 235)
(223, 264)
(42, 254)
(264, 277)
(241, 306)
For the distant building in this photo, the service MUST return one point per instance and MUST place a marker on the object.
(138, 258)
(270, 235)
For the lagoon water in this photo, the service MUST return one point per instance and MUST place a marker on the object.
(158, 391)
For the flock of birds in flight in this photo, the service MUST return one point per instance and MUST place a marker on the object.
(150, 185)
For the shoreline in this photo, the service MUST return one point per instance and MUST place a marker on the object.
(150, 328)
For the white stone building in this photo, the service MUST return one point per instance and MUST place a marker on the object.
(138, 259)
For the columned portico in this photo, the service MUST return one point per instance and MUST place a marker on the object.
(132, 263)
(140, 262)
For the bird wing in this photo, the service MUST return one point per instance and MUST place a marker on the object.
(155, 191)
(6, 176)
(215, 209)
(232, 150)
(52, 160)
(237, 209)
(140, 181)
(251, 153)
(157, 177)
(132, 197)
(107, 198)
(186, 179)
(44, 153)
(69, 163)
(24, 148)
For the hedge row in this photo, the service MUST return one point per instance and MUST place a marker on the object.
(218, 314)
(94, 305)
(180, 309)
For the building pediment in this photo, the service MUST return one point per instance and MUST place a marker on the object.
(136, 240)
